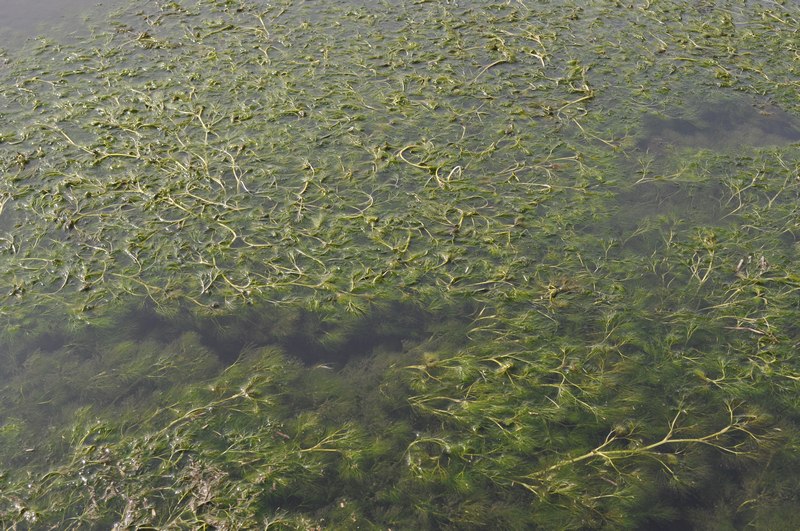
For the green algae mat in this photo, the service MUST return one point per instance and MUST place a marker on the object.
(403, 265)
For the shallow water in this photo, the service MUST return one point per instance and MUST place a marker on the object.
(496, 265)
(23, 19)
(720, 125)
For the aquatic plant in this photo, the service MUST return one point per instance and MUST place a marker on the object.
(308, 265)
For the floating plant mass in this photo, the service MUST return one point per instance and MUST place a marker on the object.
(402, 265)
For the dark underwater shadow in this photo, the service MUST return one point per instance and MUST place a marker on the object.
(723, 125)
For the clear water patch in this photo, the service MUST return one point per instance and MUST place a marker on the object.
(719, 125)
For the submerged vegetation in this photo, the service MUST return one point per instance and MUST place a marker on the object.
(413, 265)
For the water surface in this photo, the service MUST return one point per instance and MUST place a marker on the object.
(727, 124)
(408, 265)
(23, 19)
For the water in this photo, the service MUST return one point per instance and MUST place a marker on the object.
(23, 19)
(720, 125)
(422, 266)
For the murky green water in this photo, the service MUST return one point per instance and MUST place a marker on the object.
(23, 20)
(426, 265)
